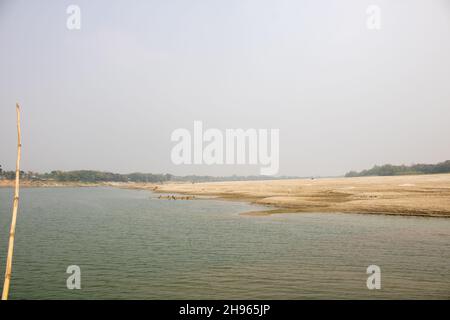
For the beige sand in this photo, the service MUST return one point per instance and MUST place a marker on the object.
(420, 195)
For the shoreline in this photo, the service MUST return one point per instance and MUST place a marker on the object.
(273, 209)
(69, 184)
(418, 195)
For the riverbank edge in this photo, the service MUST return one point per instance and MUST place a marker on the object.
(272, 208)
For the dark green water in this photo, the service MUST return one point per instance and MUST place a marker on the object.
(130, 245)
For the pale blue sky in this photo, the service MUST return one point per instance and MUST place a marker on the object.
(108, 96)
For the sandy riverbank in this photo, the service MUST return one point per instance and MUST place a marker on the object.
(420, 195)
(43, 184)
(62, 184)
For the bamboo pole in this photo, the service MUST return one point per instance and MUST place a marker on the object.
(14, 213)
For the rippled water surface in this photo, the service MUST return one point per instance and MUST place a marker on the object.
(131, 245)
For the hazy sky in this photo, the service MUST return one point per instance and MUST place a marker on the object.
(108, 96)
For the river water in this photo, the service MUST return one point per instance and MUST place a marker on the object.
(131, 245)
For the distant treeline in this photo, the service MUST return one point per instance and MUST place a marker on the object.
(391, 170)
(87, 176)
(100, 176)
